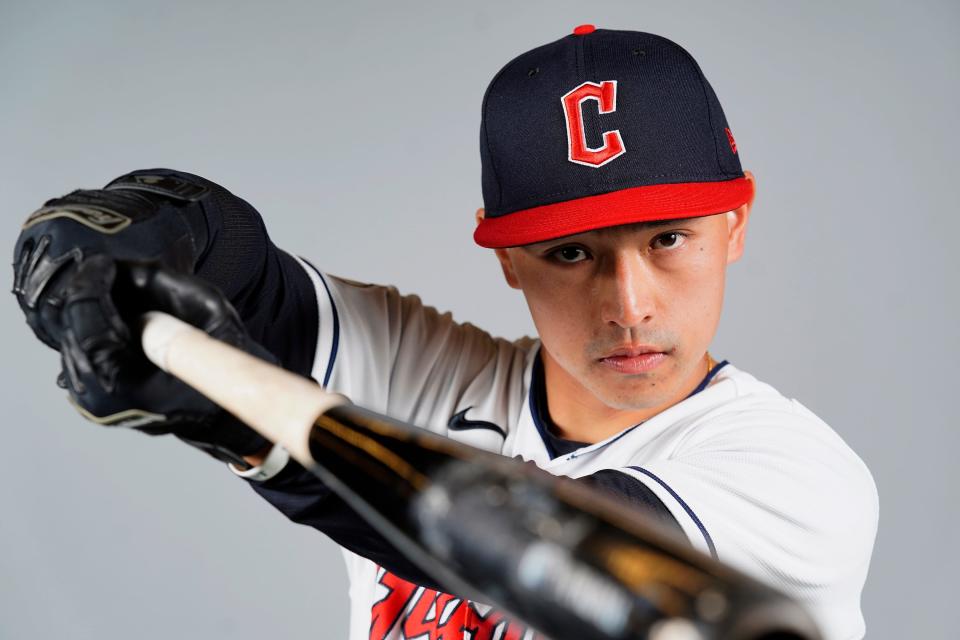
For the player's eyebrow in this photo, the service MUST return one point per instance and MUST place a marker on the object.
(634, 226)
(647, 224)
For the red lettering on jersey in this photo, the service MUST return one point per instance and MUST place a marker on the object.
(605, 94)
(425, 614)
(385, 612)
(435, 616)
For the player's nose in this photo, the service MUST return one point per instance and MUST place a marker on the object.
(626, 290)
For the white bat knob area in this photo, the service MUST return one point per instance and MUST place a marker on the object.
(278, 404)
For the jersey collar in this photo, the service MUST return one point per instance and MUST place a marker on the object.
(540, 413)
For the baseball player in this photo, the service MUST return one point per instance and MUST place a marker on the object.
(613, 199)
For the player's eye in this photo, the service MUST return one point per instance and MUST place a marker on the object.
(568, 254)
(669, 240)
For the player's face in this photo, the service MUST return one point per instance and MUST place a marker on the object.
(627, 313)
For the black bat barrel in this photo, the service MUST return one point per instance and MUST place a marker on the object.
(569, 561)
(542, 546)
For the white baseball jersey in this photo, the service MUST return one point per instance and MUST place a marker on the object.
(753, 478)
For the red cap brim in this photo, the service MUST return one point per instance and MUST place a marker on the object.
(636, 204)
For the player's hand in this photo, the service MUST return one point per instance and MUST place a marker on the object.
(67, 282)
(100, 301)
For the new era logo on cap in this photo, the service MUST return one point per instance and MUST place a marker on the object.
(602, 128)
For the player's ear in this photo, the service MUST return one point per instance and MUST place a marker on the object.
(737, 224)
(503, 256)
(506, 263)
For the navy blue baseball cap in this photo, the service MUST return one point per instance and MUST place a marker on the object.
(602, 128)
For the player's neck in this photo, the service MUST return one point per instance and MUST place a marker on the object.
(579, 415)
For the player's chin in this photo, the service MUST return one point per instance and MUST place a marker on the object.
(629, 392)
(630, 399)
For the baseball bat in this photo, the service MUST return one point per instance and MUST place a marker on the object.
(568, 560)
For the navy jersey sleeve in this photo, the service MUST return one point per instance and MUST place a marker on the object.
(637, 494)
(270, 290)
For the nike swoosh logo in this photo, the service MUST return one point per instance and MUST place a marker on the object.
(459, 422)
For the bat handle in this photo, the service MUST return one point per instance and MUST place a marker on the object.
(280, 405)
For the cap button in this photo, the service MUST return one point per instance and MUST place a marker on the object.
(584, 29)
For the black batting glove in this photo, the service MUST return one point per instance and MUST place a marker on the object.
(81, 298)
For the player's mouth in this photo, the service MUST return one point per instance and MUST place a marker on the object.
(634, 359)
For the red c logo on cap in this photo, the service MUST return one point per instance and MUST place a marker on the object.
(605, 94)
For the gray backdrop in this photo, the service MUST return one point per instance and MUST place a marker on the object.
(353, 129)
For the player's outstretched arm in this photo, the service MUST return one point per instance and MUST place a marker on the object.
(67, 282)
